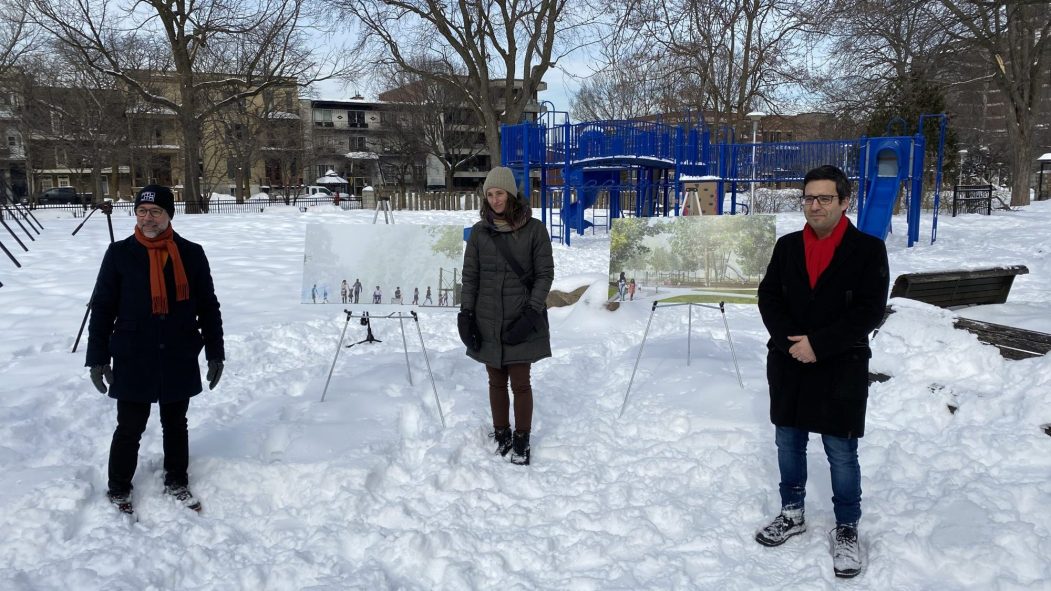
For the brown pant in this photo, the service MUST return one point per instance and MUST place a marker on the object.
(501, 404)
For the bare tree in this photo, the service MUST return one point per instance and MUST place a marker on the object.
(253, 46)
(16, 39)
(725, 58)
(436, 113)
(79, 114)
(16, 35)
(630, 84)
(878, 50)
(403, 152)
(483, 45)
(1013, 39)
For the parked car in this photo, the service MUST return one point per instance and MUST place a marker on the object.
(316, 191)
(63, 195)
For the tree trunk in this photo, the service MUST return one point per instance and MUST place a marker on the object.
(1021, 162)
(191, 137)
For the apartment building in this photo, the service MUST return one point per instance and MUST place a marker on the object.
(13, 184)
(344, 136)
(111, 141)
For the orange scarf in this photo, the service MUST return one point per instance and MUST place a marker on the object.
(160, 248)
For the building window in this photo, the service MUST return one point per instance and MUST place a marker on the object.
(105, 185)
(12, 141)
(63, 181)
(357, 142)
(46, 183)
(323, 117)
(356, 119)
(323, 168)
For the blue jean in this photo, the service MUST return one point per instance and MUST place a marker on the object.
(842, 453)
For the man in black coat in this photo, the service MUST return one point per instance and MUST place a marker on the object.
(824, 291)
(153, 310)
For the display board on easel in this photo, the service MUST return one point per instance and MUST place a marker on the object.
(382, 268)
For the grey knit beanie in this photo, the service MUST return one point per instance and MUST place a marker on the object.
(501, 177)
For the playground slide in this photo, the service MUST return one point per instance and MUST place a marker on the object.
(879, 205)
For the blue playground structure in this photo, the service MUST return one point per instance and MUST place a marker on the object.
(639, 168)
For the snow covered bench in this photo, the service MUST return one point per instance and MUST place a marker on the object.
(955, 289)
(958, 289)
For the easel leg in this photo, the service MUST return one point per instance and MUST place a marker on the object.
(639, 357)
(427, 360)
(722, 308)
(334, 358)
(405, 346)
(689, 333)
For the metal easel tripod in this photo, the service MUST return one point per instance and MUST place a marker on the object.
(106, 208)
(366, 320)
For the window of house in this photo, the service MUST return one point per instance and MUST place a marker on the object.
(46, 183)
(323, 117)
(357, 142)
(63, 180)
(323, 168)
(356, 119)
(105, 185)
(12, 141)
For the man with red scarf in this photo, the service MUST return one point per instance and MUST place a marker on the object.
(152, 311)
(824, 291)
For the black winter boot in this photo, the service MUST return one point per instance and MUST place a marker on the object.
(502, 436)
(520, 448)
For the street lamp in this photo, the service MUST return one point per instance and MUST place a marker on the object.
(963, 156)
(755, 116)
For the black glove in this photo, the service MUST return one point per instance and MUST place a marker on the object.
(523, 326)
(215, 371)
(97, 373)
(468, 329)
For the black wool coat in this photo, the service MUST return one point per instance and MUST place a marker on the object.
(830, 395)
(155, 357)
(493, 290)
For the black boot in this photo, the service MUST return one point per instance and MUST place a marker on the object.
(502, 435)
(520, 448)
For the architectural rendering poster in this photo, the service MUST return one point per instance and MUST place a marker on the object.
(388, 268)
(702, 259)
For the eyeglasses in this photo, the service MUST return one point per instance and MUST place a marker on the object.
(152, 213)
(822, 199)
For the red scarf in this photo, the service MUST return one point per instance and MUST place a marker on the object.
(160, 249)
(819, 251)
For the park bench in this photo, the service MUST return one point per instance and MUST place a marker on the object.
(959, 289)
(956, 289)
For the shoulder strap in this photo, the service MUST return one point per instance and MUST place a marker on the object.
(501, 245)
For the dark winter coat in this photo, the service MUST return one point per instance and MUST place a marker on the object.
(830, 395)
(492, 289)
(155, 357)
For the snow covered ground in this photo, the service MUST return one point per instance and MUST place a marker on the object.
(368, 491)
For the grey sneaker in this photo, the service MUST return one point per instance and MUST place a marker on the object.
(182, 494)
(846, 551)
(789, 523)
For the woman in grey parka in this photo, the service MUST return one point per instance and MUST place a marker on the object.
(508, 311)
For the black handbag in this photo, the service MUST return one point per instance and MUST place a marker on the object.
(528, 320)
